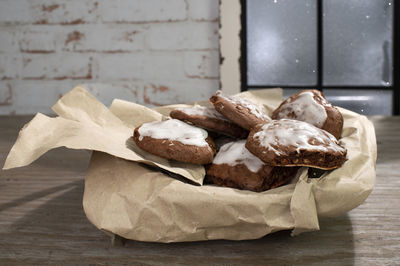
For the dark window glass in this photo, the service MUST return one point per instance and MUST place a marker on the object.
(357, 42)
(281, 42)
(342, 47)
(366, 102)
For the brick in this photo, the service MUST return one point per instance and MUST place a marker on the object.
(32, 96)
(183, 36)
(203, 10)
(119, 66)
(82, 38)
(8, 40)
(104, 38)
(56, 66)
(140, 66)
(142, 10)
(47, 11)
(203, 64)
(9, 66)
(39, 39)
(156, 93)
(5, 93)
(106, 92)
(12, 11)
(163, 66)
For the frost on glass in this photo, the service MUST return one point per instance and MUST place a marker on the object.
(357, 42)
(281, 42)
(366, 102)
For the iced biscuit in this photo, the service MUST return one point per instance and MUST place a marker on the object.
(234, 166)
(288, 142)
(311, 106)
(176, 140)
(208, 118)
(241, 111)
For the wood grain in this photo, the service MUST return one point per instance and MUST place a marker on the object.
(42, 220)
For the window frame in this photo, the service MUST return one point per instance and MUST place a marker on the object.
(319, 3)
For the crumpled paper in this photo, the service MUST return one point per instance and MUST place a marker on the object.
(136, 195)
(85, 123)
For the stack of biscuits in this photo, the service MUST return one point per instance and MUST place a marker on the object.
(250, 149)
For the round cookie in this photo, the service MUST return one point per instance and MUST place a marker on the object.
(288, 142)
(234, 166)
(208, 118)
(311, 106)
(241, 111)
(176, 140)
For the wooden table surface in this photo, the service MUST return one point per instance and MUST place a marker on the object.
(42, 219)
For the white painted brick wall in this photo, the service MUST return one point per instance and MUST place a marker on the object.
(152, 52)
(56, 66)
(203, 10)
(37, 40)
(5, 93)
(183, 36)
(43, 12)
(142, 10)
(202, 64)
(10, 65)
(8, 43)
(105, 38)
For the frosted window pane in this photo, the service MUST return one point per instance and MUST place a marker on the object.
(358, 42)
(366, 102)
(281, 42)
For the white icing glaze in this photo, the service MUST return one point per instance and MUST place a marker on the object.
(174, 129)
(234, 153)
(252, 107)
(302, 135)
(201, 110)
(306, 109)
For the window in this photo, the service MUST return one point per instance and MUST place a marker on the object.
(346, 48)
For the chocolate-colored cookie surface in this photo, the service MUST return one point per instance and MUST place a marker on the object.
(208, 118)
(241, 111)
(289, 142)
(176, 140)
(311, 106)
(234, 166)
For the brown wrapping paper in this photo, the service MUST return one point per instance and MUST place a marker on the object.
(139, 202)
(85, 123)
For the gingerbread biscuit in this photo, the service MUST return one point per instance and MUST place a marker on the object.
(241, 111)
(288, 142)
(176, 140)
(208, 118)
(234, 166)
(311, 106)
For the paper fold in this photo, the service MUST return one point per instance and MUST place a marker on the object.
(85, 123)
